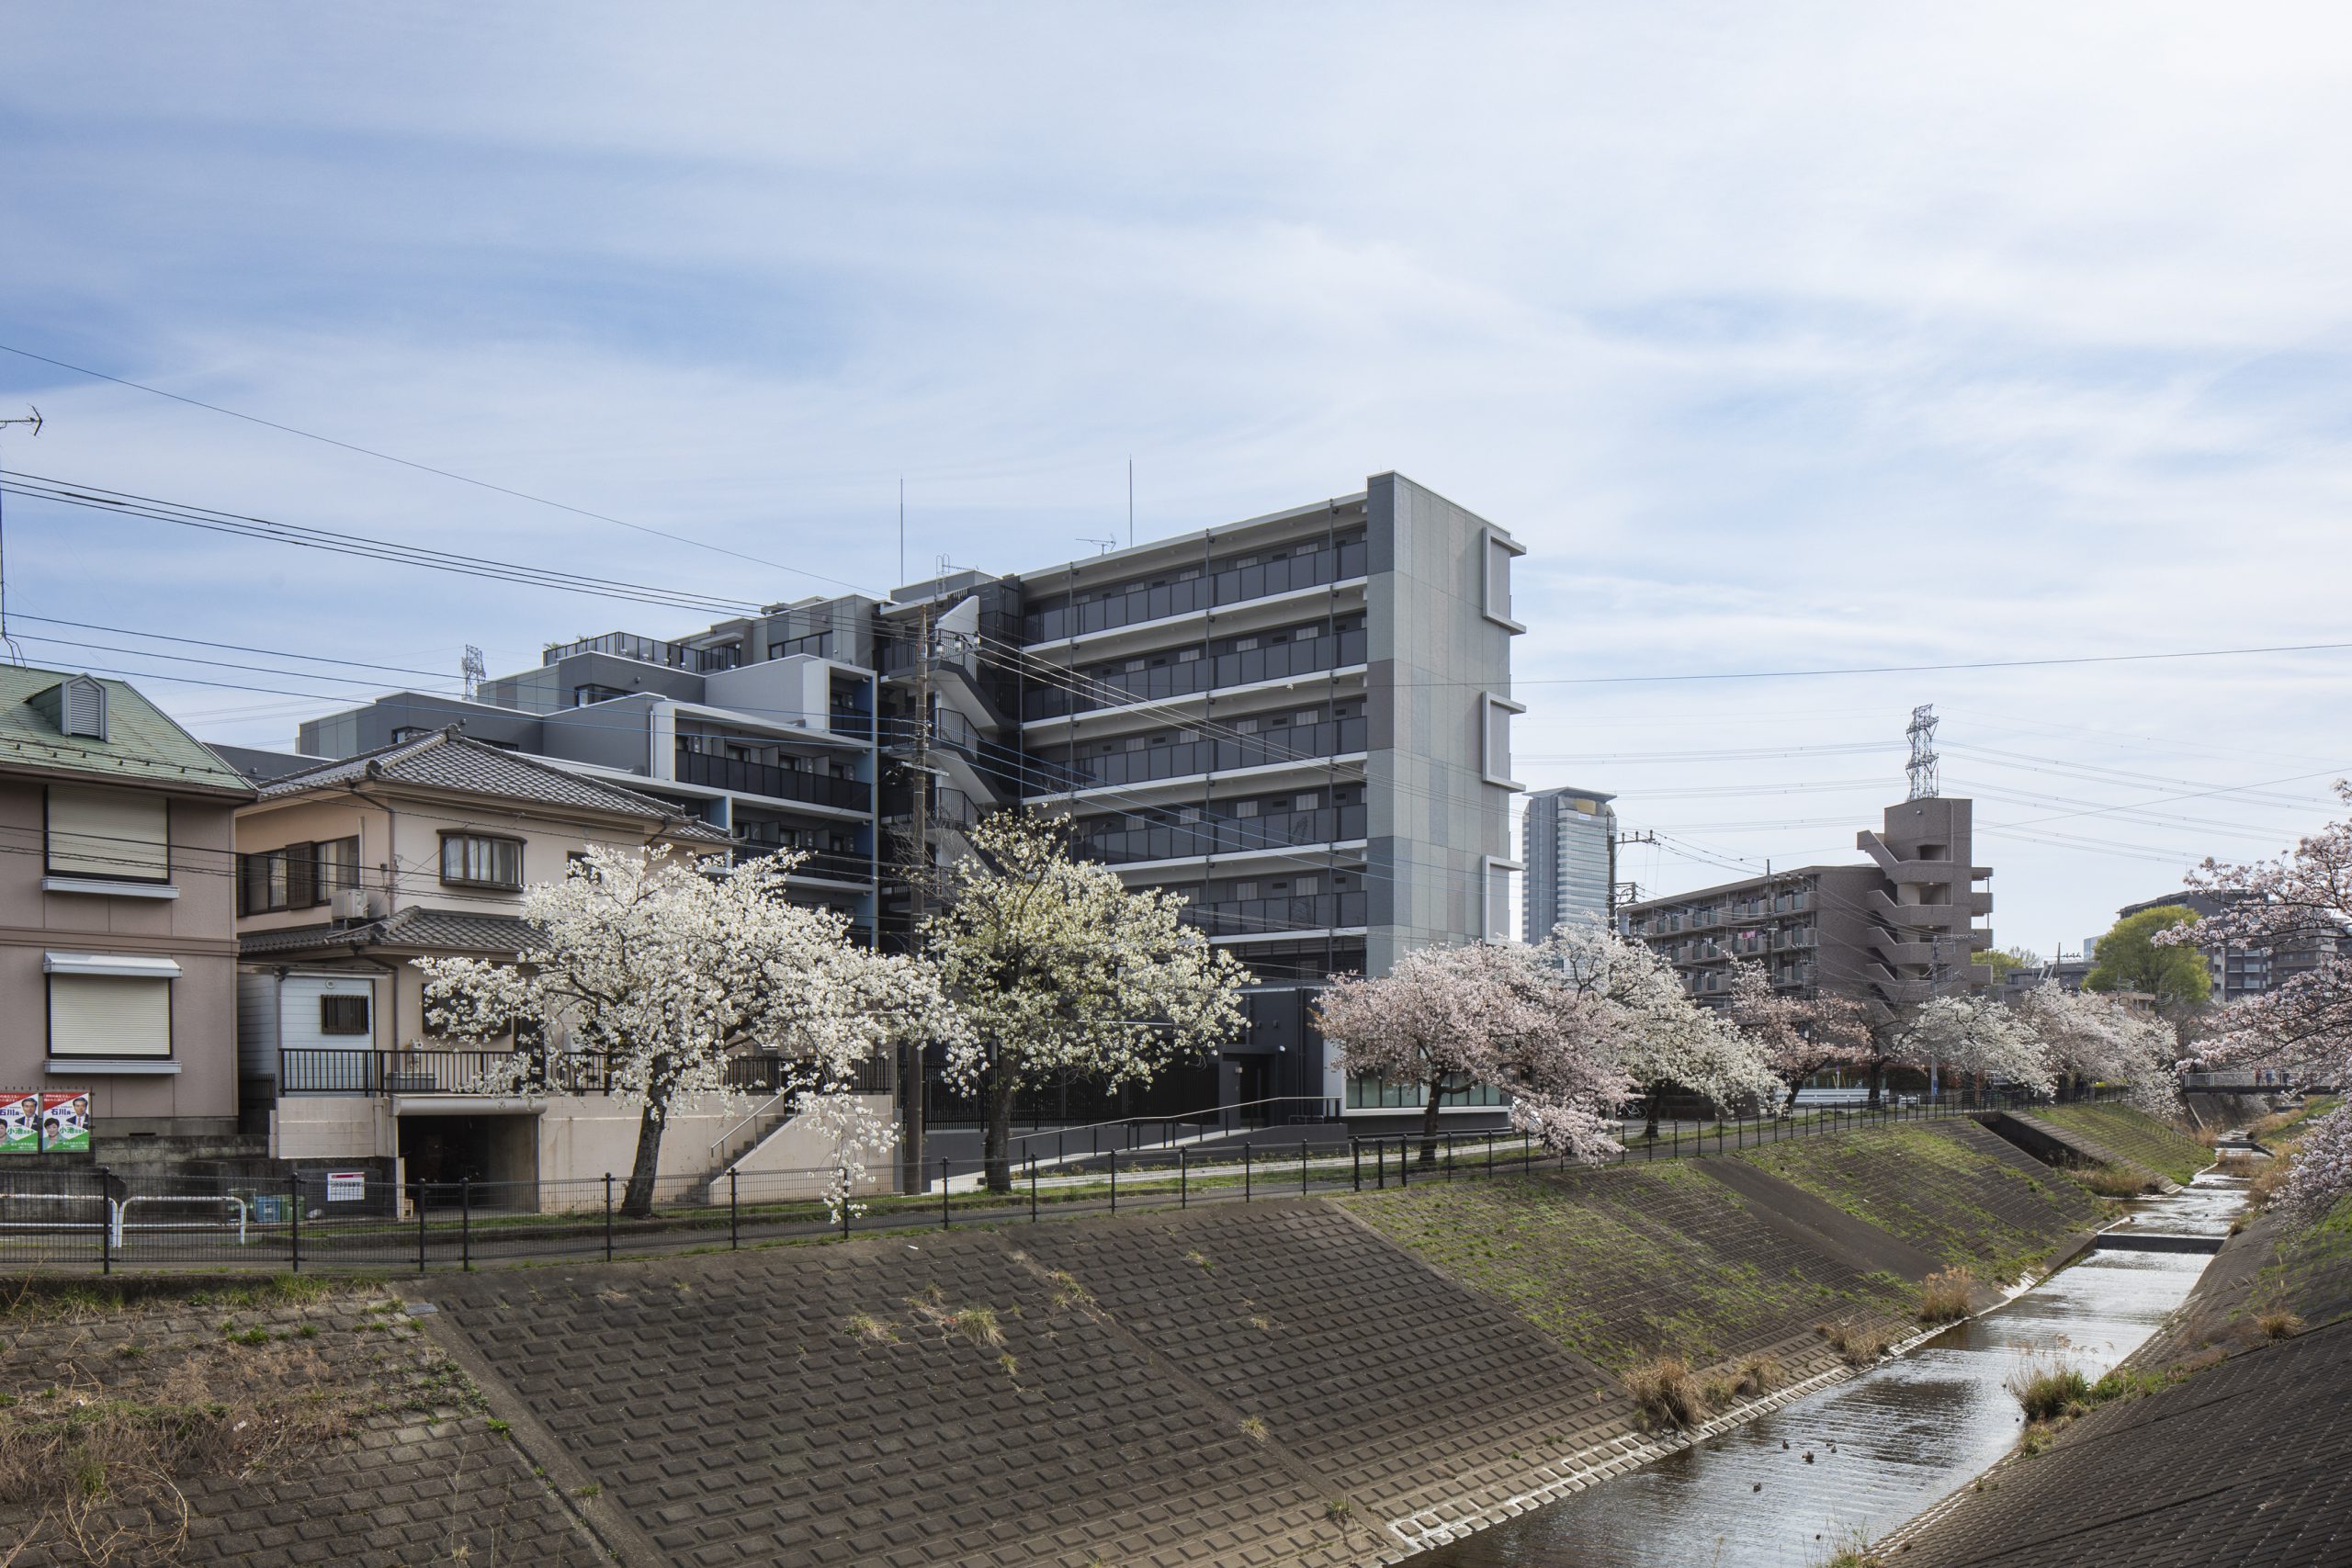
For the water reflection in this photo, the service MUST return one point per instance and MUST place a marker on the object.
(1861, 1457)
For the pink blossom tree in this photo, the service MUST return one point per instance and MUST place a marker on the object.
(1649, 1026)
(1446, 1018)
(1799, 1035)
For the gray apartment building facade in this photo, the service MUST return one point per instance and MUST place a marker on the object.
(1568, 842)
(2238, 971)
(1889, 933)
(1301, 721)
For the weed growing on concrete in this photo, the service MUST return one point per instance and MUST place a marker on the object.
(2235, 1164)
(977, 1325)
(1264, 1325)
(1254, 1428)
(2278, 1323)
(1012, 1368)
(1758, 1374)
(2114, 1180)
(1719, 1392)
(1853, 1552)
(1663, 1390)
(2047, 1390)
(1338, 1509)
(1860, 1345)
(1069, 1293)
(1200, 1260)
(873, 1330)
(1943, 1295)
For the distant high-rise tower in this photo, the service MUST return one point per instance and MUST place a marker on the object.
(1569, 847)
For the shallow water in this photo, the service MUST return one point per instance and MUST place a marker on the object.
(1881, 1447)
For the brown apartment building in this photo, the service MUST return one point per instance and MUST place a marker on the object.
(118, 923)
(1891, 932)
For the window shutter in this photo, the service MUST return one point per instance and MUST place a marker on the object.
(302, 879)
(109, 1015)
(116, 834)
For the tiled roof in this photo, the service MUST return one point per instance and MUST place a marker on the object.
(141, 746)
(447, 761)
(454, 930)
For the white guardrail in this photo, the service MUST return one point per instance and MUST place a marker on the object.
(118, 1214)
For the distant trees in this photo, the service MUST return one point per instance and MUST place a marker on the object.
(2131, 959)
(2001, 960)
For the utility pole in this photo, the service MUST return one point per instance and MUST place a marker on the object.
(16, 654)
(916, 858)
(1625, 892)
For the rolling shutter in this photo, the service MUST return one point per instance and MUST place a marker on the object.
(109, 1015)
(118, 833)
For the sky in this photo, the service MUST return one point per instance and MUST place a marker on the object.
(1792, 338)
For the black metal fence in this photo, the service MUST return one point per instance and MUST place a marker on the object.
(90, 1220)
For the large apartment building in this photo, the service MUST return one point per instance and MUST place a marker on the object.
(1568, 842)
(1890, 933)
(1301, 721)
(2239, 971)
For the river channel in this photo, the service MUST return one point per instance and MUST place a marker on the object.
(1858, 1458)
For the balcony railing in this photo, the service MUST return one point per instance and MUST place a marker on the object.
(1304, 655)
(1181, 758)
(776, 784)
(1223, 835)
(1230, 587)
(305, 1069)
(1272, 917)
(646, 650)
(837, 865)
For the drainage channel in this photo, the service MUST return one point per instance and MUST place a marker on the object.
(1855, 1459)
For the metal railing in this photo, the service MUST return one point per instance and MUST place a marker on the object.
(314, 1069)
(765, 779)
(1131, 1133)
(90, 1220)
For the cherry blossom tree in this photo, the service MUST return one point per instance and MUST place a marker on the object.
(1061, 973)
(1497, 1013)
(1799, 1035)
(1654, 1031)
(2091, 1037)
(1974, 1035)
(667, 968)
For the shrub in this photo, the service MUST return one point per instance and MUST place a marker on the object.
(2235, 1164)
(1663, 1389)
(2268, 1183)
(2047, 1393)
(1943, 1296)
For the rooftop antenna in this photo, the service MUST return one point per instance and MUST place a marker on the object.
(1925, 784)
(1131, 503)
(16, 654)
(902, 528)
(474, 670)
(1102, 546)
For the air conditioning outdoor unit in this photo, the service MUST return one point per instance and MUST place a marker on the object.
(355, 904)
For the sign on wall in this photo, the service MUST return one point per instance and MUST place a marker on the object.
(346, 1186)
(65, 1120)
(19, 1121)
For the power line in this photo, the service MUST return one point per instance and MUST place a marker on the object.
(430, 468)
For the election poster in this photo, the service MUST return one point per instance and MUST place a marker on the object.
(65, 1120)
(19, 1121)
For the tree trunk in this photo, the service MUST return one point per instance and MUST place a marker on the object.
(1878, 1074)
(1793, 1084)
(636, 1201)
(1429, 1119)
(1650, 1097)
(996, 1149)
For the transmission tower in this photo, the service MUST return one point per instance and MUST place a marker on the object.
(1925, 784)
(474, 670)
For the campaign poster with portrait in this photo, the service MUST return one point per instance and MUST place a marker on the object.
(19, 1121)
(65, 1121)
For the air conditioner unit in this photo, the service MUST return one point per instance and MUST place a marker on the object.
(355, 904)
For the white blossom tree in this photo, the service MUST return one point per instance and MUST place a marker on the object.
(2300, 901)
(1061, 973)
(1799, 1035)
(1975, 1035)
(667, 968)
(1446, 1018)
(2092, 1037)
(1656, 1035)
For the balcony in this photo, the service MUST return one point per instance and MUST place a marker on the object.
(1311, 743)
(832, 866)
(303, 1069)
(1224, 835)
(1275, 917)
(645, 651)
(716, 771)
(1236, 586)
(1305, 655)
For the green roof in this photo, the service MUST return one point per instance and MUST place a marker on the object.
(141, 746)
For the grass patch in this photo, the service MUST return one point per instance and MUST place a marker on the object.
(2047, 1393)
(1757, 1374)
(1943, 1295)
(1857, 1344)
(2278, 1323)
(2135, 1136)
(2115, 1180)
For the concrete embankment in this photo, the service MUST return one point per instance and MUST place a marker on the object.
(1316, 1382)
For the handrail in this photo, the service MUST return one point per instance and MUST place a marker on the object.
(1328, 1104)
(746, 1121)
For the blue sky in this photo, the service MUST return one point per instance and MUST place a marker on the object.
(1826, 336)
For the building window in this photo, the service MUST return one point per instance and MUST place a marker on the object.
(342, 1015)
(109, 1016)
(117, 834)
(338, 866)
(480, 861)
(1493, 738)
